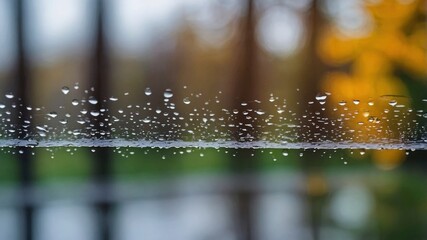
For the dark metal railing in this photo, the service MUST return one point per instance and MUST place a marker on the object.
(22, 81)
(99, 78)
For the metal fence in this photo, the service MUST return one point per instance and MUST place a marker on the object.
(104, 202)
(104, 195)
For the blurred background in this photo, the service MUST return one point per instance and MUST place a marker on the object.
(355, 51)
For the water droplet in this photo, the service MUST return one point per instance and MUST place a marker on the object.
(75, 102)
(9, 95)
(285, 154)
(94, 113)
(40, 128)
(168, 93)
(186, 100)
(342, 103)
(148, 91)
(92, 100)
(113, 99)
(2, 105)
(356, 102)
(52, 114)
(260, 112)
(321, 97)
(65, 90)
(392, 103)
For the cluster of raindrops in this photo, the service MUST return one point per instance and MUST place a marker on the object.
(193, 118)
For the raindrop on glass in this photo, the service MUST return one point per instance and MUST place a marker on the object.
(65, 90)
(260, 112)
(392, 103)
(366, 114)
(52, 114)
(168, 93)
(186, 100)
(40, 128)
(92, 100)
(94, 113)
(9, 95)
(321, 97)
(148, 91)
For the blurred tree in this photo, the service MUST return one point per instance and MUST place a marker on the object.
(396, 41)
(316, 187)
(245, 91)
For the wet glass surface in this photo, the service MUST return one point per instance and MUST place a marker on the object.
(128, 119)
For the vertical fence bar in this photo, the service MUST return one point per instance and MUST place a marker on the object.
(99, 79)
(245, 90)
(310, 166)
(22, 80)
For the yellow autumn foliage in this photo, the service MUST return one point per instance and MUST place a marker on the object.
(371, 60)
